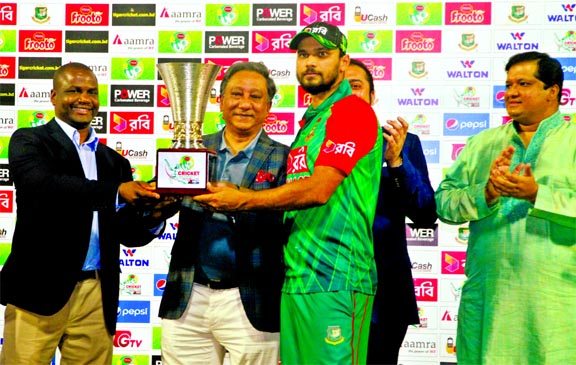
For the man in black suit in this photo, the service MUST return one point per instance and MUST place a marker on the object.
(76, 203)
(405, 191)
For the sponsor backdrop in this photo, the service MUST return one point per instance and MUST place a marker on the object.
(440, 64)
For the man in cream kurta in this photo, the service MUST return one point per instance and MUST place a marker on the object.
(516, 185)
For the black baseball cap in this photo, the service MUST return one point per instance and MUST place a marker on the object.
(327, 35)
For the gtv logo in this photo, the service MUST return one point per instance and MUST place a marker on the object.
(124, 339)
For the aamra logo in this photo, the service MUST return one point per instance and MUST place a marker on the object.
(183, 172)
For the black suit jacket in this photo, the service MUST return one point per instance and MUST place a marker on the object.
(55, 205)
(404, 192)
(258, 237)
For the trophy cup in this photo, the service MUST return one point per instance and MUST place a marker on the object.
(187, 166)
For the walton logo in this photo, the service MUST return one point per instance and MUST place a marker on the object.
(517, 44)
(468, 72)
(130, 261)
(129, 252)
(517, 36)
(417, 91)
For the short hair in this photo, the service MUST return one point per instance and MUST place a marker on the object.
(250, 66)
(549, 69)
(70, 66)
(355, 62)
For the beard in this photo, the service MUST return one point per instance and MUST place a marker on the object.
(315, 89)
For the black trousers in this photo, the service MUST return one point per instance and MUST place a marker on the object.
(384, 342)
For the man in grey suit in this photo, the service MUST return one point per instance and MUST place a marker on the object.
(76, 204)
(226, 272)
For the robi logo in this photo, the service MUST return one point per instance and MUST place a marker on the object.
(453, 262)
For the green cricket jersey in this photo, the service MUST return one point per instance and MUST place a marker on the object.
(330, 246)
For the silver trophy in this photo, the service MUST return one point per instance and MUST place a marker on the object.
(187, 165)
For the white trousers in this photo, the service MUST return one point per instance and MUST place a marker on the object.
(215, 322)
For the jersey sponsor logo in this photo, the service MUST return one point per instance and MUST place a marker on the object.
(346, 148)
(297, 163)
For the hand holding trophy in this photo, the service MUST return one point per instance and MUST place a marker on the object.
(187, 166)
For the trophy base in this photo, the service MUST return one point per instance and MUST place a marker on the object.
(184, 171)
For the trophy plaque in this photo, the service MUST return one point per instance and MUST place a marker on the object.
(187, 166)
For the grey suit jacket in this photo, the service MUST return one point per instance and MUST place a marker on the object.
(258, 236)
